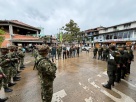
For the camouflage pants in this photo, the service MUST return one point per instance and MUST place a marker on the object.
(47, 90)
(21, 62)
(7, 79)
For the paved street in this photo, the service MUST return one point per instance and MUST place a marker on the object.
(78, 79)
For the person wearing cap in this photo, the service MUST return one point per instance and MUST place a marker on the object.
(111, 67)
(46, 70)
(2, 76)
(13, 65)
(4, 63)
(21, 55)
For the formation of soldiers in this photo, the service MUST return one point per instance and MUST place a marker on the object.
(11, 62)
(118, 62)
(46, 71)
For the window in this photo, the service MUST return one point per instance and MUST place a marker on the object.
(130, 34)
(115, 28)
(120, 34)
(127, 25)
(110, 36)
(107, 37)
(115, 36)
(106, 29)
(125, 34)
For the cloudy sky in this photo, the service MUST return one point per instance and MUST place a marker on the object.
(53, 14)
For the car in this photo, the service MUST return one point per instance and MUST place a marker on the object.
(84, 48)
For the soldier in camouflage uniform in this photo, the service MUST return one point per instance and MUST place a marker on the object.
(59, 50)
(13, 65)
(2, 75)
(5, 65)
(46, 70)
(21, 55)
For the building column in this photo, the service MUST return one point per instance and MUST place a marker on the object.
(37, 33)
(10, 32)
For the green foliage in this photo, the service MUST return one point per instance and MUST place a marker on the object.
(2, 32)
(71, 31)
(1, 37)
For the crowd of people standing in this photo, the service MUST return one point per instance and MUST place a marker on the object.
(11, 62)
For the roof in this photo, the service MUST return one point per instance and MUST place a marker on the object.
(94, 29)
(120, 24)
(18, 23)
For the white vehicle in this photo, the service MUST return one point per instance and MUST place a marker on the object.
(84, 48)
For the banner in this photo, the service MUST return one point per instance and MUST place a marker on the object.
(61, 39)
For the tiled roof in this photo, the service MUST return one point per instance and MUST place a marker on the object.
(19, 23)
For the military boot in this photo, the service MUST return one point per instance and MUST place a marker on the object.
(107, 86)
(11, 84)
(8, 89)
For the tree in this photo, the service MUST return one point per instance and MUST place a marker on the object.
(1, 37)
(71, 31)
(45, 39)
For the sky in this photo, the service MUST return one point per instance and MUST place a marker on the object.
(53, 14)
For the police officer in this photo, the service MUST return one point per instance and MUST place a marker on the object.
(111, 67)
(46, 70)
(130, 58)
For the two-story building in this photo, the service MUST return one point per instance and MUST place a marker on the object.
(17, 32)
(123, 34)
(92, 34)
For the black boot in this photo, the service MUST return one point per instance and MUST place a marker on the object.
(11, 84)
(107, 86)
(3, 99)
(8, 89)
(16, 78)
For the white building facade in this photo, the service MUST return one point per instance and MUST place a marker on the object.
(119, 34)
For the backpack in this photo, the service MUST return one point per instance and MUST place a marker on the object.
(50, 73)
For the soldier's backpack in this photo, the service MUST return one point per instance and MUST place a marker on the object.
(53, 71)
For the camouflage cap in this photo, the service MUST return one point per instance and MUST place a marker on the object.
(12, 47)
(4, 49)
(19, 48)
(42, 49)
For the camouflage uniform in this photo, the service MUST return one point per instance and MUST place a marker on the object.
(21, 55)
(59, 52)
(46, 70)
(13, 62)
(4, 63)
